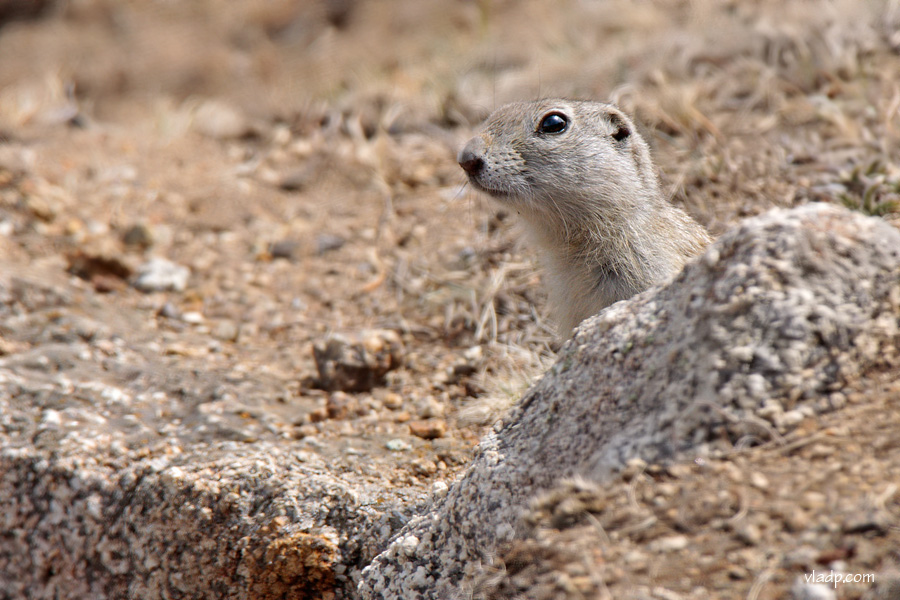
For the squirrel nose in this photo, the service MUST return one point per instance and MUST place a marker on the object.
(470, 157)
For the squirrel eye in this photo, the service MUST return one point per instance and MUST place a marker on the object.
(554, 123)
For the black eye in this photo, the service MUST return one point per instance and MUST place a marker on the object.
(554, 123)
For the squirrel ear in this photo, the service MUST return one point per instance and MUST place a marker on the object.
(620, 126)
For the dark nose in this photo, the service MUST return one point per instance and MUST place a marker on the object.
(470, 157)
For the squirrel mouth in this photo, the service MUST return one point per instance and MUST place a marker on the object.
(478, 185)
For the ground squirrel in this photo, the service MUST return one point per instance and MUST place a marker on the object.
(581, 178)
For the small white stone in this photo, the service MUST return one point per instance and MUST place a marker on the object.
(220, 120)
(741, 353)
(791, 418)
(672, 543)
(635, 558)
(51, 417)
(409, 544)
(439, 489)
(758, 480)
(757, 386)
(193, 317)
(397, 445)
(160, 275)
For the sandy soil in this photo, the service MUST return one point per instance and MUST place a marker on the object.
(299, 159)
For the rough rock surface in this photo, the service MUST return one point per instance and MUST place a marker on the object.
(216, 522)
(649, 531)
(125, 475)
(745, 344)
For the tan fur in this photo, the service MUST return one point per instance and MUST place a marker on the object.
(589, 199)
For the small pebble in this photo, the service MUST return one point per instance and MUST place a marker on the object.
(736, 572)
(161, 275)
(169, 311)
(286, 249)
(791, 418)
(758, 480)
(428, 430)
(397, 445)
(138, 235)
(749, 535)
(219, 120)
(431, 407)
(423, 467)
(326, 242)
(392, 400)
(227, 331)
(295, 180)
(439, 489)
(193, 317)
(672, 543)
(409, 544)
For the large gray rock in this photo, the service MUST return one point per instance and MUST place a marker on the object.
(221, 522)
(747, 342)
(126, 472)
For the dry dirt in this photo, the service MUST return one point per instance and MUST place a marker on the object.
(299, 159)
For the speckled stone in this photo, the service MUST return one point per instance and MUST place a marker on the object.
(811, 298)
(117, 484)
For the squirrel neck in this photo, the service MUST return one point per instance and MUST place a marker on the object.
(613, 256)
